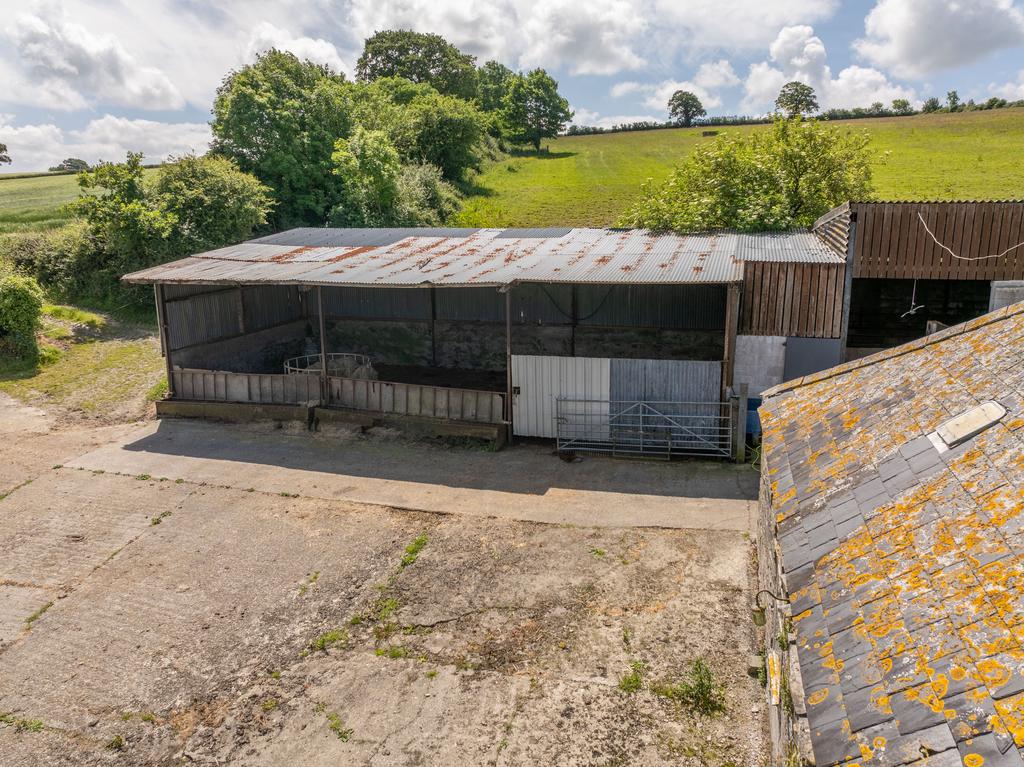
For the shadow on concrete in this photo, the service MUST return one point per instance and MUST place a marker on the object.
(529, 469)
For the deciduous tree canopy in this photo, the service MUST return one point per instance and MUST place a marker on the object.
(796, 98)
(765, 180)
(684, 106)
(533, 109)
(420, 57)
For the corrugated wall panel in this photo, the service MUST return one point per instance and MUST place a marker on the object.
(377, 303)
(665, 380)
(270, 305)
(202, 318)
(541, 379)
(684, 307)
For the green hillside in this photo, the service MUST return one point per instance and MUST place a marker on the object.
(589, 180)
(30, 201)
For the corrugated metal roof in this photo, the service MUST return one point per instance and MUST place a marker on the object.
(416, 257)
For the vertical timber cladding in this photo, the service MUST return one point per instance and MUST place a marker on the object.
(792, 299)
(893, 243)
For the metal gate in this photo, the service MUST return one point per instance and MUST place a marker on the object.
(649, 429)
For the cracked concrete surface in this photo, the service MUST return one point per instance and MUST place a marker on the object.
(245, 627)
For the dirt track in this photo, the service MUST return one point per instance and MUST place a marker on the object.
(252, 628)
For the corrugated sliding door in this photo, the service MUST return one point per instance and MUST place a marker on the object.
(541, 379)
(665, 381)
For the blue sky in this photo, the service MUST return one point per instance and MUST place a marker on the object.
(95, 79)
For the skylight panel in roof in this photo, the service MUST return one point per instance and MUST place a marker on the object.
(967, 425)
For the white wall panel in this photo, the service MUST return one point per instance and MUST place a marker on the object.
(541, 379)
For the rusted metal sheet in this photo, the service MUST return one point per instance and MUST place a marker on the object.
(486, 257)
(790, 299)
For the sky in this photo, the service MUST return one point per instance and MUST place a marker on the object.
(97, 78)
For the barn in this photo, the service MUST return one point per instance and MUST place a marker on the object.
(623, 341)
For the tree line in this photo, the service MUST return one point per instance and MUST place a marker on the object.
(297, 144)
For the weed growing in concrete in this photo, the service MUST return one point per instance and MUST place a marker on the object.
(627, 636)
(20, 724)
(431, 674)
(312, 579)
(700, 691)
(288, 495)
(634, 680)
(328, 639)
(275, 674)
(126, 716)
(385, 608)
(116, 743)
(338, 727)
(159, 517)
(269, 704)
(143, 477)
(413, 550)
(597, 552)
(37, 614)
(179, 481)
(462, 664)
(397, 651)
(148, 716)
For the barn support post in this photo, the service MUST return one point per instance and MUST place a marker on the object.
(165, 336)
(324, 393)
(732, 322)
(508, 362)
(433, 326)
(740, 426)
(851, 243)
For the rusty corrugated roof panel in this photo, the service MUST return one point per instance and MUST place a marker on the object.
(415, 257)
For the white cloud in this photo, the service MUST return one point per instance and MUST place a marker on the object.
(914, 38)
(1011, 91)
(584, 116)
(600, 37)
(63, 65)
(318, 50)
(798, 54)
(37, 147)
(709, 78)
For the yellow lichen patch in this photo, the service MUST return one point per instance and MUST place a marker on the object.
(817, 697)
(1011, 716)
(973, 760)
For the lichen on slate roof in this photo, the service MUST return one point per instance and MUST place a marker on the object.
(904, 565)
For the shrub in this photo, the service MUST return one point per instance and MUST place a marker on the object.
(21, 303)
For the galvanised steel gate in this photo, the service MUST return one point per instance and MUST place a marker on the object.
(648, 429)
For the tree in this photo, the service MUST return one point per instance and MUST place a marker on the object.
(425, 126)
(684, 106)
(70, 164)
(278, 118)
(796, 98)
(213, 202)
(953, 101)
(368, 164)
(420, 57)
(902, 107)
(494, 79)
(931, 105)
(5, 157)
(877, 108)
(21, 304)
(765, 180)
(533, 108)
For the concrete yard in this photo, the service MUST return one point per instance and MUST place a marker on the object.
(197, 593)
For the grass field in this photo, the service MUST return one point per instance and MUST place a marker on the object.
(590, 180)
(36, 201)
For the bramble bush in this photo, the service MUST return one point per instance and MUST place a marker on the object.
(21, 303)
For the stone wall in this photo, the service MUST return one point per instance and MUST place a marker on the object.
(787, 716)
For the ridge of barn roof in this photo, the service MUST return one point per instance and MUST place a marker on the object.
(416, 257)
(903, 557)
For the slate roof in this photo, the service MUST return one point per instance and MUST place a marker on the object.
(488, 257)
(904, 566)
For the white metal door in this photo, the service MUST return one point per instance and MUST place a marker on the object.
(538, 380)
